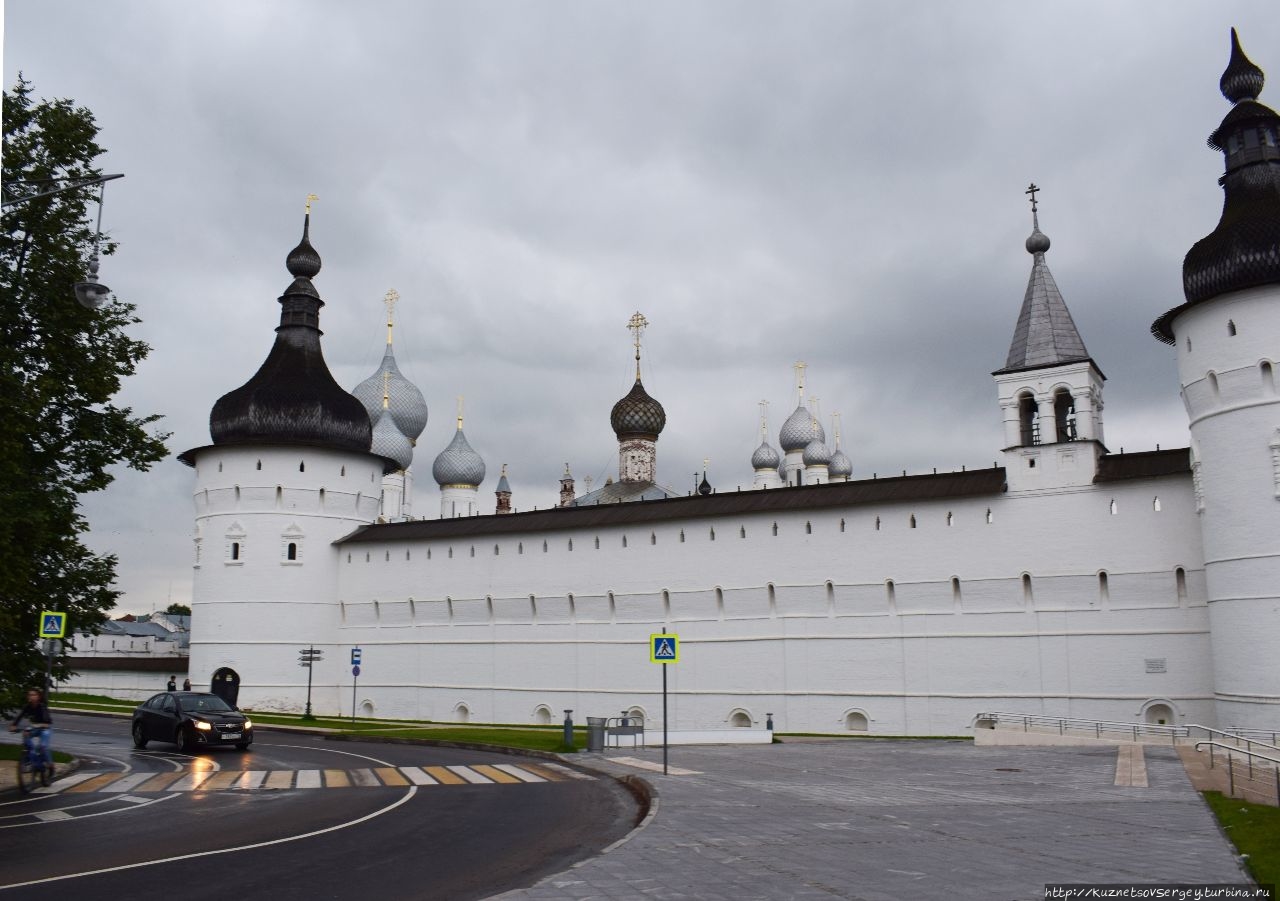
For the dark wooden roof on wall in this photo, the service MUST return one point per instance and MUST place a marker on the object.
(805, 497)
(1146, 465)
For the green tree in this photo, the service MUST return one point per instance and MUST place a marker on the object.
(60, 367)
(176, 609)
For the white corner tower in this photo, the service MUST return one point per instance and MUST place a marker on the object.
(288, 473)
(1227, 337)
(1050, 389)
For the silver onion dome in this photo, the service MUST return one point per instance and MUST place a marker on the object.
(799, 430)
(840, 465)
(405, 402)
(458, 464)
(765, 457)
(389, 441)
(816, 453)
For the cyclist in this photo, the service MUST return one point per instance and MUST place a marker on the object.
(36, 713)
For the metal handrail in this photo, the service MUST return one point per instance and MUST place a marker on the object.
(1232, 752)
(1135, 729)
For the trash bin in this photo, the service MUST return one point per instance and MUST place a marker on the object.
(595, 733)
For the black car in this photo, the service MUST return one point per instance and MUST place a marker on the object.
(191, 720)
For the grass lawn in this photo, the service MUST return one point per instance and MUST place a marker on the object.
(1255, 830)
(538, 738)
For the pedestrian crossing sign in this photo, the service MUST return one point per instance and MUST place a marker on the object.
(53, 625)
(664, 648)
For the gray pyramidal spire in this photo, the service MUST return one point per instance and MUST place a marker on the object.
(1045, 335)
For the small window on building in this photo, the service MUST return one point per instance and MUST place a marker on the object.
(343, 472)
(570, 544)
(597, 542)
(808, 528)
(889, 591)
(1180, 579)
(653, 537)
(235, 550)
(624, 540)
(1104, 586)
(302, 466)
(520, 548)
(1026, 588)
(451, 553)
(682, 536)
(1188, 344)
(775, 530)
(742, 531)
(877, 524)
(406, 555)
(842, 524)
(1114, 508)
(1155, 504)
(259, 465)
(951, 519)
(495, 550)
(913, 520)
(988, 516)
(544, 547)
(955, 589)
(291, 552)
(473, 550)
(713, 534)
(1231, 328)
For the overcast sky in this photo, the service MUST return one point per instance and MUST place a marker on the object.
(839, 183)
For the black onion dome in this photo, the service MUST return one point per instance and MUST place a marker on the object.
(1244, 250)
(1242, 80)
(293, 398)
(638, 415)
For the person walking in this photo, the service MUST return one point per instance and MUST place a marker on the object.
(173, 684)
(186, 684)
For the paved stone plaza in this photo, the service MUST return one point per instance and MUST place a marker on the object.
(901, 820)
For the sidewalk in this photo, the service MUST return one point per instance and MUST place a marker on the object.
(874, 820)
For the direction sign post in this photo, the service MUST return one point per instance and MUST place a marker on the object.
(664, 649)
(307, 658)
(355, 677)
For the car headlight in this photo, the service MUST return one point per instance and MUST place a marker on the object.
(202, 726)
(248, 724)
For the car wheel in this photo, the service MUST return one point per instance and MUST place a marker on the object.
(181, 739)
(139, 737)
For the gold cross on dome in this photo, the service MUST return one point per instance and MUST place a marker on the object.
(310, 197)
(764, 417)
(799, 366)
(389, 300)
(637, 324)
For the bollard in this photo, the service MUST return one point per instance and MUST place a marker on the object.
(768, 721)
(568, 730)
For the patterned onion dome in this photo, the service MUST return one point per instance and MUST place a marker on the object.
(798, 431)
(390, 442)
(458, 464)
(816, 453)
(840, 465)
(404, 400)
(765, 457)
(293, 398)
(638, 415)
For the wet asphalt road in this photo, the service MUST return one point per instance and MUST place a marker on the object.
(118, 836)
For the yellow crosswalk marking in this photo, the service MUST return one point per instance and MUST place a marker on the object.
(443, 776)
(219, 781)
(202, 780)
(390, 776)
(494, 773)
(97, 782)
(279, 779)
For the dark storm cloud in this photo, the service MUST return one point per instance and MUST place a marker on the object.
(834, 182)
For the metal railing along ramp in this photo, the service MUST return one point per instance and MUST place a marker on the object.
(1151, 733)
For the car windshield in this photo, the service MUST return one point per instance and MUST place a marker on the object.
(203, 704)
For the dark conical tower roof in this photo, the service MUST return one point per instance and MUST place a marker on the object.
(293, 398)
(1244, 250)
(1045, 335)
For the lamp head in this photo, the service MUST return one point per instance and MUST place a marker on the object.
(91, 293)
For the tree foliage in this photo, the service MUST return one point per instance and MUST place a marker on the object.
(176, 609)
(60, 367)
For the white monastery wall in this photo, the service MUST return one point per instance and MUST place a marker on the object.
(833, 614)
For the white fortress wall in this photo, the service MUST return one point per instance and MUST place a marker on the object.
(803, 624)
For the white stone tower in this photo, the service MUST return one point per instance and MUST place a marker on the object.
(289, 472)
(1050, 389)
(1227, 336)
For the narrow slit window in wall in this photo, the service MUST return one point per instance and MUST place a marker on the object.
(1231, 328)
(291, 552)
(1026, 588)
(955, 589)
(913, 520)
(1104, 587)
(1180, 578)
(742, 531)
(808, 528)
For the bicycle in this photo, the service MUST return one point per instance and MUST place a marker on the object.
(32, 765)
